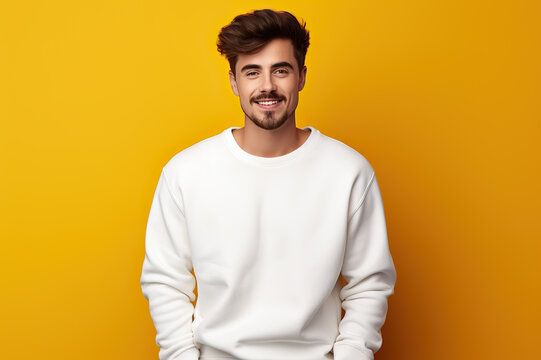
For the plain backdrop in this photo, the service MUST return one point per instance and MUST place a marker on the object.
(442, 97)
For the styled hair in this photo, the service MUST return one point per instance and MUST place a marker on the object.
(250, 32)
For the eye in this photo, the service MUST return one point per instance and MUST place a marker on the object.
(284, 71)
(250, 73)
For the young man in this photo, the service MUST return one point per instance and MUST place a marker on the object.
(268, 216)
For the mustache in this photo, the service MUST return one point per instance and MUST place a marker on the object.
(272, 97)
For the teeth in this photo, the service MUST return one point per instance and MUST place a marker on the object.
(267, 102)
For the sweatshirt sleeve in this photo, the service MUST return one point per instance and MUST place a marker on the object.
(370, 274)
(166, 279)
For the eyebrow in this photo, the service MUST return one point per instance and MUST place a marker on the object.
(277, 65)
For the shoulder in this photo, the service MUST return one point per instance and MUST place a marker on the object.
(349, 164)
(193, 157)
(344, 156)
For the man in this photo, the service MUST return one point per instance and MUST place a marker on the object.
(268, 216)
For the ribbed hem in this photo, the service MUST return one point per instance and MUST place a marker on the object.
(190, 354)
(348, 352)
(211, 353)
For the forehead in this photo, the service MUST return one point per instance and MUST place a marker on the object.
(277, 50)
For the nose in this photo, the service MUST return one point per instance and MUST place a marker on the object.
(267, 83)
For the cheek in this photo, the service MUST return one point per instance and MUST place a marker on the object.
(246, 98)
(245, 94)
(293, 96)
(290, 91)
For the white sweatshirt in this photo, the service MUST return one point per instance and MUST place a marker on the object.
(267, 239)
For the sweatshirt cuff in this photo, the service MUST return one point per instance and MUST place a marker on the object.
(347, 352)
(190, 354)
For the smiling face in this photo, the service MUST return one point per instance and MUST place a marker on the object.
(268, 84)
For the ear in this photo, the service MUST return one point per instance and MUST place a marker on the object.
(302, 78)
(233, 83)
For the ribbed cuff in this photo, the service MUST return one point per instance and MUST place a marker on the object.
(347, 352)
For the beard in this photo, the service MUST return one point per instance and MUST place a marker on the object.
(268, 120)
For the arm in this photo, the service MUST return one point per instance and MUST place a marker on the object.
(166, 280)
(370, 274)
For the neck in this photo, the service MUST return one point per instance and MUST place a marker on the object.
(270, 143)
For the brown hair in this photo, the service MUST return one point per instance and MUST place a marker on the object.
(250, 32)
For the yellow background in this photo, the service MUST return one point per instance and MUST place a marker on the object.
(442, 97)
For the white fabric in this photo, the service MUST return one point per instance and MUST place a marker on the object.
(267, 239)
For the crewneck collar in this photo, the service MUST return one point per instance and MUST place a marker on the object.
(270, 161)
